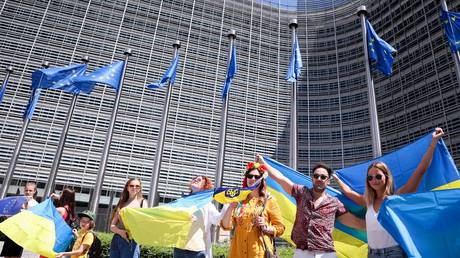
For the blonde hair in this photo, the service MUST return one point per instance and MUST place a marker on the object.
(369, 193)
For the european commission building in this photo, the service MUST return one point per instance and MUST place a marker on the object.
(333, 114)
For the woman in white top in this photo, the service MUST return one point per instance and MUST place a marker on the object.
(199, 239)
(379, 185)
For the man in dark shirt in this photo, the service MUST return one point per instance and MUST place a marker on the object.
(316, 213)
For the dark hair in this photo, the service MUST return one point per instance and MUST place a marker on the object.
(322, 165)
(125, 196)
(67, 198)
(262, 186)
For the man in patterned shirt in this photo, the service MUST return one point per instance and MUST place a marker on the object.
(316, 213)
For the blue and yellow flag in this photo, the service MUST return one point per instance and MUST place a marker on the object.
(40, 230)
(225, 195)
(169, 76)
(348, 242)
(58, 78)
(231, 71)
(172, 222)
(403, 163)
(451, 22)
(424, 224)
(295, 63)
(109, 74)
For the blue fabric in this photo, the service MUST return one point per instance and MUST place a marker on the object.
(451, 22)
(2, 90)
(198, 200)
(63, 232)
(403, 163)
(231, 71)
(379, 51)
(32, 104)
(110, 75)
(120, 248)
(169, 76)
(182, 253)
(9, 206)
(424, 224)
(295, 64)
(58, 78)
(389, 252)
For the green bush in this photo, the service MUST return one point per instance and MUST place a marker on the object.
(218, 251)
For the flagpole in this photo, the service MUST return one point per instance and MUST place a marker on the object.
(293, 127)
(57, 157)
(455, 55)
(9, 70)
(17, 150)
(153, 196)
(94, 202)
(223, 121)
(375, 132)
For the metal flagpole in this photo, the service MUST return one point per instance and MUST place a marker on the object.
(17, 150)
(455, 55)
(94, 202)
(57, 157)
(9, 70)
(223, 121)
(293, 127)
(375, 132)
(153, 194)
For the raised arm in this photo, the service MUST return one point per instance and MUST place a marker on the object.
(352, 195)
(285, 183)
(414, 181)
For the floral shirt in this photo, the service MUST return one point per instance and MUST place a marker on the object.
(313, 226)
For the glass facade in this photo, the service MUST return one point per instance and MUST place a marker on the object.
(333, 115)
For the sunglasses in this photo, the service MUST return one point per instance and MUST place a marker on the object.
(249, 176)
(135, 186)
(318, 176)
(377, 177)
(197, 179)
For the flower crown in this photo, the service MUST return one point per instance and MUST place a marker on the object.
(256, 165)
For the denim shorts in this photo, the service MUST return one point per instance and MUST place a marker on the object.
(182, 253)
(389, 252)
(120, 248)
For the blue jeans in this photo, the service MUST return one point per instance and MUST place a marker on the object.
(389, 252)
(181, 253)
(120, 248)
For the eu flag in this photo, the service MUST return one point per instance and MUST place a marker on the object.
(295, 64)
(58, 78)
(379, 51)
(170, 75)
(231, 71)
(33, 101)
(110, 74)
(451, 23)
(2, 90)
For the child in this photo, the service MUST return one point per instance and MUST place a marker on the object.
(84, 237)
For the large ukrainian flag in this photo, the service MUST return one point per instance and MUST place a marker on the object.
(40, 230)
(171, 223)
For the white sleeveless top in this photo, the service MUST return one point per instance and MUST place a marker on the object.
(377, 236)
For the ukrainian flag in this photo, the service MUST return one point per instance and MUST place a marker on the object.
(41, 230)
(348, 242)
(172, 222)
(225, 195)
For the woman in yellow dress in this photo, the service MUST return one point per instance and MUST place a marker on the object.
(255, 220)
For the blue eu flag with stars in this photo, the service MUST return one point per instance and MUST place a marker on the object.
(231, 71)
(295, 64)
(379, 51)
(58, 78)
(110, 75)
(170, 75)
(451, 22)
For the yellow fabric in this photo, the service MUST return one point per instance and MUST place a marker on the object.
(346, 245)
(85, 238)
(32, 232)
(158, 226)
(232, 195)
(451, 185)
(246, 240)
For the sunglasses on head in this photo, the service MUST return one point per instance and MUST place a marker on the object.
(318, 176)
(377, 177)
(249, 176)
